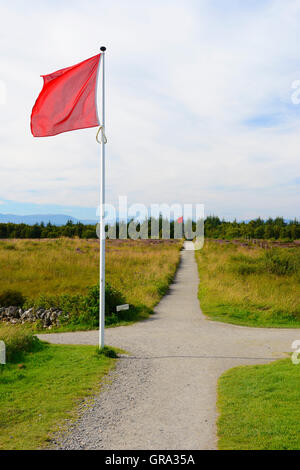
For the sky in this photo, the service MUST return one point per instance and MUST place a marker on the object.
(203, 105)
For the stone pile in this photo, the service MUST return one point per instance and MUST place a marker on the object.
(48, 317)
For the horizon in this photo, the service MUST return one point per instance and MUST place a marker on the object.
(129, 218)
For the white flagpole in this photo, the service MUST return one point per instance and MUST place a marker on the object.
(102, 214)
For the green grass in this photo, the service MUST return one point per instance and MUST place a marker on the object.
(250, 286)
(40, 393)
(259, 407)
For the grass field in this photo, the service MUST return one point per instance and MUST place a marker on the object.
(41, 388)
(249, 285)
(259, 407)
(140, 270)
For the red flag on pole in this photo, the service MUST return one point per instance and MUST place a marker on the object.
(68, 100)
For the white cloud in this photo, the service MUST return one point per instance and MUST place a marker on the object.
(183, 80)
(3, 92)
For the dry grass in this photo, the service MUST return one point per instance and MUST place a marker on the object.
(48, 266)
(141, 270)
(236, 287)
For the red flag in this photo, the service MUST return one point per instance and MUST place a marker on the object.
(67, 101)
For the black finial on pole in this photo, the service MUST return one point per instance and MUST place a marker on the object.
(102, 49)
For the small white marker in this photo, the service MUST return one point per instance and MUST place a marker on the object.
(122, 307)
(2, 353)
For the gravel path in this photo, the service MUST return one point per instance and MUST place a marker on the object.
(163, 396)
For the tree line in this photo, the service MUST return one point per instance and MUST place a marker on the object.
(71, 230)
(277, 229)
(214, 227)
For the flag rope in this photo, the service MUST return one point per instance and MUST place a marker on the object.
(103, 136)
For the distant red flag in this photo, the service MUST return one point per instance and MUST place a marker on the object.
(180, 220)
(67, 101)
